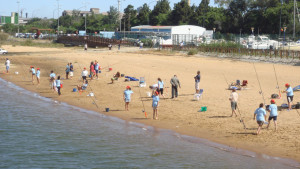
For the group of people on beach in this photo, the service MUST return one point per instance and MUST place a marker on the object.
(34, 74)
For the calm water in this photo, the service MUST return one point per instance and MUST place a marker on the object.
(36, 132)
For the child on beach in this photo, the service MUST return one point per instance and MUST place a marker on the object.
(58, 85)
(83, 87)
(289, 94)
(32, 70)
(84, 74)
(197, 81)
(115, 77)
(127, 97)
(38, 74)
(96, 66)
(155, 100)
(71, 70)
(273, 114)
(260, 114)
(7, 64)
(52, 80)
(160, 88)
(67, 71)
(233, 101)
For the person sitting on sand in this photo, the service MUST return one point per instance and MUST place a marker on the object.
(260, 114)
(84, 74)
(32, 70)
(155, 100)
(289, 94)
(127, 97)
(273, 114)
(233, 101)
(38, 75)
(83, 87)
(116, 77)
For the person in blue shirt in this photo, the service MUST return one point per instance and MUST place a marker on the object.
(273, 114)
(58, 85)
(38, 75)
(67, 71)
(32, 70)
(160, 88)
(289, 95)
(155, 100)
(197, 81)
(71, 70)
(52, 80)
(96, 66)
(260, 114)
(127, 97)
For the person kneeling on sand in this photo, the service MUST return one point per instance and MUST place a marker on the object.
(273, 114)
(127, 97)
(116, 77)
(260, 114)
(233, 101)
(83, 87)
(155, 100)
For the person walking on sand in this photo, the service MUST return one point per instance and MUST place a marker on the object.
(38, 75)
(96, 66)
(58, 85)
(197, 81)
(71, 70)
(7, 64)
(289, 94)
(233, 101)
(32, 70)
(160, 88)
(127, 97)
(67, 70)
(260, 114)
(155, 100)
(85, 46)
(175, 84)
(273, 114)
(52, 80)
(84, 74)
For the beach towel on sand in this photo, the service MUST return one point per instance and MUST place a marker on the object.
(297, 88)
(131, 78)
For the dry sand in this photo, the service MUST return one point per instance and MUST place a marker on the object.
(179, 114)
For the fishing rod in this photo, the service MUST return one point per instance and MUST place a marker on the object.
(241, 119)
(261, 92)
(277, 87)
(144, 110)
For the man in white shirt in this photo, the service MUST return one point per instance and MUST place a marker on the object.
(7, 64)
(233, 100)
(84, 74)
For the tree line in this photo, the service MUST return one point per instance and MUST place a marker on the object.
(230, 16)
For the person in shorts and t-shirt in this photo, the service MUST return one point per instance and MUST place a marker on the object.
(7, 64)
(289, 94)
(38, 74)
(273, 114)
(233, 101)
(260, 115)
(71, 71)
(197, 81)
(84, 74)
(127, 97)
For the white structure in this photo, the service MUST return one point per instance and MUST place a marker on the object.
(259, 42)
(173, 34)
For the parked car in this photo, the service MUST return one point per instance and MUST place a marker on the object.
(2, 51)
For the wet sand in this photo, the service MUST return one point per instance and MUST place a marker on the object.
(180, 114)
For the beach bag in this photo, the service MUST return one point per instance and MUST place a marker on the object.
(274, 96)
(61, 85)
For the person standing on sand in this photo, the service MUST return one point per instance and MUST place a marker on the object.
(233, 101)
(127, 97)
(175, 84)
(7, 64)
(160, 88)
(260, 114)
(32, 70)
(92, 70)
(273, 114)
(38, 75)
(155, 100)
(84, 74)
(289, 94)
(96, 66)
(52, 80)
(58, 85)
(197, 82)
(71, 71)
(67, 71)
(85, 46)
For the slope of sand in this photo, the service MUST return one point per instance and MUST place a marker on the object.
(179, 114)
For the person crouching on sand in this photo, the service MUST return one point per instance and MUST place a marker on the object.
(127, 97)
(260, 114)
(58, 85)
(289, 94)
(83, 87)
(155, 100)
(233, 101)
(38, 75)
(273, 114)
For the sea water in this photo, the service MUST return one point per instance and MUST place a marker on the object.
(36, 132)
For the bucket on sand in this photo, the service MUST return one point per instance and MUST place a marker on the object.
(74, 90)
(203, 109)
(148, 94)
(110, 69)
(107, 109)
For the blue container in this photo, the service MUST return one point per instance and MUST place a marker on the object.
(74, 90)
(107, 109)
(90, 75)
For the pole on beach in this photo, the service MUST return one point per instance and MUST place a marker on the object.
(142, 102)
(260, 92)
(277, 87)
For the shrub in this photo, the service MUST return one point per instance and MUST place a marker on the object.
(3, 37)
(147, 42)
(192, 51)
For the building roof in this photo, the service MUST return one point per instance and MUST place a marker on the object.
(151, 27)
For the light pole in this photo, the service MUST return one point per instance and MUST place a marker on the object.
(57, 17)
(18, 18)
(214, 33)
(252, 29)
(149, 7)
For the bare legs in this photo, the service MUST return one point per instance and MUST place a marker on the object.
(155, 116)
(126, 106)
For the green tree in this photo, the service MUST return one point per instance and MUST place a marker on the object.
(129, 17)
(159, 15)
(144, 14)
(201, 12)
(181, 13)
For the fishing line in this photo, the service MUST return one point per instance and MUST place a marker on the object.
(144, 111)
(261, 92)
(277, 87)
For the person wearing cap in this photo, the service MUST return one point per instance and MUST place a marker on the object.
(233, 101)
(175, 84)
(273, 114)
(84, 74)
(38, 73)
(127, 97)
(260, 115)
(155, 100)
(289, 95)
(32, 70)
(7, 64)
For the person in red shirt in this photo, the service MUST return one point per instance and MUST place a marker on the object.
(92, 70)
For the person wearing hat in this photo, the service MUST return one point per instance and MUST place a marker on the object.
(260, 115)
(155, 100)
(273, 114)
(233, 101)
(127, 96)
(84, 74)
(38, 73)
(289, 95)
(32, 70)
(7, 64)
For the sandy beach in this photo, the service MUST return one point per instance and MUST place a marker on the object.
(180, 114)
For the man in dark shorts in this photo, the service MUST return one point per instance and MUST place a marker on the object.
(273, 114)
(84, 74)
(260, 114)
(289, 94)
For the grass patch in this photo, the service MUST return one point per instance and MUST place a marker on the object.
(30, 42)
(192, 52)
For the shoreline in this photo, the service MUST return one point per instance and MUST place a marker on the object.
(190, 128)
(188, 138)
